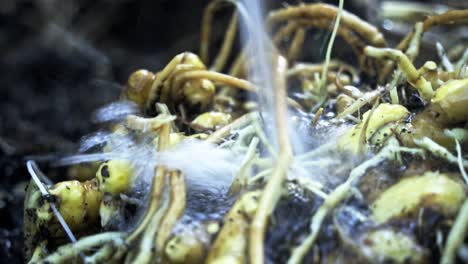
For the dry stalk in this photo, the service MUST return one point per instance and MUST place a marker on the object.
(223, 55)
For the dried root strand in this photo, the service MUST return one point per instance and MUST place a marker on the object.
(323, 80)
(310, 69)
(451, 17)
(145, 252)
(101, 256)
(205, 31)
(285, 32)
(176, 76)
(216, 77)
(360, 102)
(456, 235)
(413, 76)
(356, 32)
(161, 77)
(445, 61)
(353, 40)
(156, 209)
(328, 13)
(69, 251)
(299, 18)
(157, 186)
(242, 176)
(439, 151)
(411, 52)
(272, 190)
(231, 243)
(175, 210)
(303, 69)
(296, 44)
(243, 121)
(226, 48)
(148, 124)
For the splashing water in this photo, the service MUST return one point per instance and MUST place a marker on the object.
(203, 164)
(116, 111)
(259, 53)
(93, 140)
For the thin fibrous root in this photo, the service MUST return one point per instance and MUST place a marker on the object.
(296, 44)
(412, 75)
(450, 17)
(341, 193)
(446, 63)
(157, 185)
(243, 121)
(310, 68)
(360, 102)
(145, 252)
(205, 31)
(285, 32)
(439, 151)
(336, 68)
(232, 240)
(242, 176)
(272, 190)
(175, 210)
(328, 13)
(157, 191)
(460, 161)
(69, 251)
(323, 80)
(149, 225)
(462, 65)
(356, 43)
(223, 55)
(222, 79)
(216, 77)
(101, 255)
(411, 52)
(148, 124)
(456, 235)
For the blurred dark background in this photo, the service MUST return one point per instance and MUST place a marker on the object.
(61, 60)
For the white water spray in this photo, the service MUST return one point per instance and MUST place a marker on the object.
(259, 52)
(260, 56)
